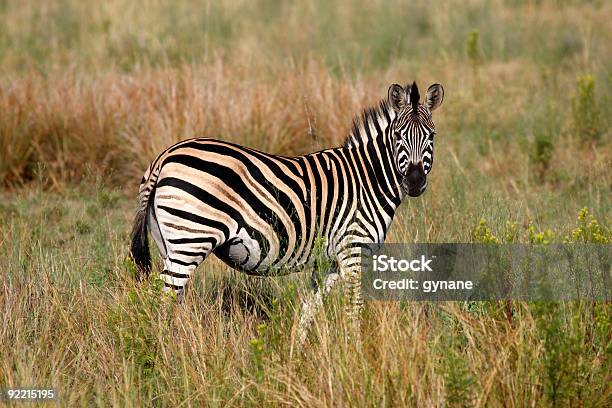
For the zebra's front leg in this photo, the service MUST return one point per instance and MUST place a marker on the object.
(350, 273)
(354, 305)
(311, 306)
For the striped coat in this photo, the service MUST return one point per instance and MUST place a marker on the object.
(264, 214)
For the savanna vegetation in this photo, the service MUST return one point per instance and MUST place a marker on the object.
(90, 92)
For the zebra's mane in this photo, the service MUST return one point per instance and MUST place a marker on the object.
(381, 114)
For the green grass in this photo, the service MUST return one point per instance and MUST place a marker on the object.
(94, 91)
(357, 36)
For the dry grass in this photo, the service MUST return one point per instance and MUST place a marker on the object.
(91, 92)
(124, 345)
(120, 122)
(75, 125)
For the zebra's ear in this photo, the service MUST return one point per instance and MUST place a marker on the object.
(434, 97)
(398, 98)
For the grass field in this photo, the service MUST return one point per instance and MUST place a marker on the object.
(90, 92)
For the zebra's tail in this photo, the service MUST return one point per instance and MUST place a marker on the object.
(139, 250)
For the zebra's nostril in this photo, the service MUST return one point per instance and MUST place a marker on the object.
(415, 175)
(415, 179)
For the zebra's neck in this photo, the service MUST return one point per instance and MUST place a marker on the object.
(371, 125)
(370, 137)
(371, 146)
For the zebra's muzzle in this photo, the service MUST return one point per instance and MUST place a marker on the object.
(415, 181)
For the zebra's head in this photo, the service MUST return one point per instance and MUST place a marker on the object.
(413, 133)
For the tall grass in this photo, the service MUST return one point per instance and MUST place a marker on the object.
(116, 123)
(120, 122)
(90, 92)
(75, 318)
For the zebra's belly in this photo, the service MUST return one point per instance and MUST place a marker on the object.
(244, 253)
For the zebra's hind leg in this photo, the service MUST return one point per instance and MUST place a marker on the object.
(179, 265)
(176, 277)
(311, 305)
(182, 253)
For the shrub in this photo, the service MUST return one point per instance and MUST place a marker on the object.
(472, 48)
(482, 233)
(459, 381)
(589, 230)
(574, 335)
(541, 153)
(586, 115)
(135, 322)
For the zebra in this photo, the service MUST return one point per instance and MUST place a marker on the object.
(263, 214)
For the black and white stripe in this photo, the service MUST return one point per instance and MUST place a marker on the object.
(262, 214)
